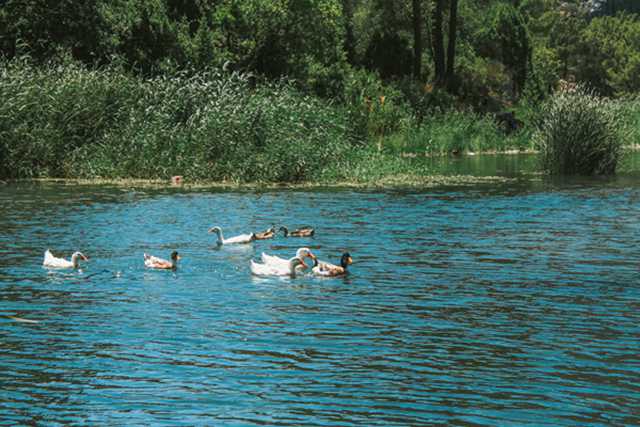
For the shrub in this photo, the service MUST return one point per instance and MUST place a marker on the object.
(580, 133)
(374, 109)
(456, 132)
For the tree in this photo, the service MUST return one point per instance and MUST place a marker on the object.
(43, 28)
(387, 32)
(611, 7)
(437, 42)
(444, 64)
(512, 42)
(349, 37)
(609, 57)
(451, 50)
(417, 38)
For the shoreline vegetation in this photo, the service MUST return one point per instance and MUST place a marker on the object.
(67, 120)
(321, 91)
(394, 181)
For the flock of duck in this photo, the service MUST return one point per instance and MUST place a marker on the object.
(271, 265)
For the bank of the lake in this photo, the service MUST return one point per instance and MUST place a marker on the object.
(69, 121)
(73, 122)
(497, 169)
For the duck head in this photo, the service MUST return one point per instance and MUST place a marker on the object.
(76, 256)
(303, 253)
(346, 260)
(174, 259)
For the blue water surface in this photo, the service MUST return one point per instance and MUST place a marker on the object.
(504, 304)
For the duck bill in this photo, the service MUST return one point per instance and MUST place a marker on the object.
(349, 261)
(303, 263)
(84, 257)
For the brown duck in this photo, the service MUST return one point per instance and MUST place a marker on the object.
(326, 269)
(267, 234)
(300, 232)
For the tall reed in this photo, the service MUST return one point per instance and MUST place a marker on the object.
(581, 133)
(70, 121)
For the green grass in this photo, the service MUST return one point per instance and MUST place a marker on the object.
(72, 122)
(458, 133)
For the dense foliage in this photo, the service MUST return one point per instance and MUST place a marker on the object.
(580, 133)
(411, 75)
(209, 125)
(500, 44)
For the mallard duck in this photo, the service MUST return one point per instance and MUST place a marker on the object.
(276, 261)
(325, 269)
(300, 232)
(53, 262)
(267, 234)
(242, 238)
(276, 270)
(155, 262)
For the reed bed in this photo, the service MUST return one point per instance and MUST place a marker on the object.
(580, 133)
(72, 122)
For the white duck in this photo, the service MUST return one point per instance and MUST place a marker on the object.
(272, 270)
(276, 261)
(242, 238)
(53, 262)
(155, 262)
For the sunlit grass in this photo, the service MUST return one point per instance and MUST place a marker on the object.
(69, 121)
(456, 132)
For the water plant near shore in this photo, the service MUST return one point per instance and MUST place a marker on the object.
(581, 133)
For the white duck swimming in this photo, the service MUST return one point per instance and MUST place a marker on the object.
(53, 262)
(242, 238)
(276, 261)
(273, 270)
(155, 262)
(329, 270)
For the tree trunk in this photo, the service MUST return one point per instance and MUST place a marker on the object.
(437, 40)
(451, 49)
(417, 38)
(349, 40)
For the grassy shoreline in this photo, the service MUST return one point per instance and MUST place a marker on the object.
(227, 130)
(78, 123)
(390, 182)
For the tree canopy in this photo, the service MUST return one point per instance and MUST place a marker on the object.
(475, 49)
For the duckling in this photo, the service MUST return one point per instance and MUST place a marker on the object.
(326, 269)
(300, 232)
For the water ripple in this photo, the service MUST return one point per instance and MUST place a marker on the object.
(499, 306)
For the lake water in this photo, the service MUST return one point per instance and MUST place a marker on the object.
(516, 303)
